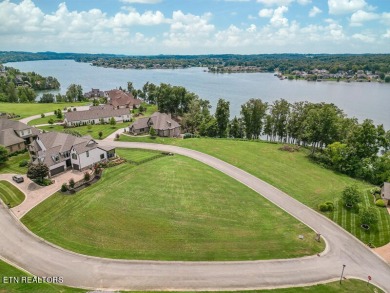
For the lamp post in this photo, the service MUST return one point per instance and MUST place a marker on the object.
(342, 272)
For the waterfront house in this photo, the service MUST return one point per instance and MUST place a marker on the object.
(15, 135)
(94, 93)
(96, 115)
(163, 123)
(61, 152)
(119, 99)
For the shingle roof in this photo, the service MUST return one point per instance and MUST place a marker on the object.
(159, 121)
(8, 137)
(95, 113)
(120, 98)
(162, 121)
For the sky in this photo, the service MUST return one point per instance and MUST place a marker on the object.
(151, 27)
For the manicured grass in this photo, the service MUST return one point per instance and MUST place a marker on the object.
(7, 271)
(44, 120)
(12, 165)
(30, 109)
(294, 173)
(173, 208)
(334, 287)
(107, 129)
(9, 194)
(137, 155)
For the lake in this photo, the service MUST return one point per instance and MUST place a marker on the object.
(360, 100)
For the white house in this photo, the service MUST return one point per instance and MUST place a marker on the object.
(95, 114)
(61, 152)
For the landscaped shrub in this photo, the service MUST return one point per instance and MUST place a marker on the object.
(23, 163)
(87, 176)
(71, 183)
(351, 196)
(380, 203)
(368, 217)
(64, 187)
(42, 115)
(326, 207)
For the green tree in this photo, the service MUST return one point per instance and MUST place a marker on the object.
(74, 93)
(351, 195)
(37, 172)
(3, 154)
(47, 98)
(253, 113)
(152, 132)
(130, 87)
(100, 134)
(95, 102)
(112, 121)
(368, 216)
(59, 114)
(51, 122)
(222, 114)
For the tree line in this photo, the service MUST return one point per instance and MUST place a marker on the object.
(21, 87)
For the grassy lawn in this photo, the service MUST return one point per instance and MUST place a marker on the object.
(43, 120)
(107, 129)
(137, 156)
(293, 173)
(334, 287)
(7, 270)
(173, 208)
(30, 109)
(12, 165)
(9, 194)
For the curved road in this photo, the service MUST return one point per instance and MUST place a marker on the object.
(22, 248)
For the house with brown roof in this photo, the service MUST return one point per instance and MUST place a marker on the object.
(119, 99)
(94, 93)
(385, 193)
(163, 123)
(97, 114)
(61, 152)
(15, 135)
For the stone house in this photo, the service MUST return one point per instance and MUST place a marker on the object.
(163, 123)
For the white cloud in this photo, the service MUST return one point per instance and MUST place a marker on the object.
(387, 34)
(278, 18)
(364, 38)
(314, 11)
(385, 18)
(345, 6)
(304, 2)
(361, 16)
(275, 2)
(252, 28)
(141, 1)
(266, 12)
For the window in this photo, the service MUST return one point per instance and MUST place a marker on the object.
(87, 153)
(101, 156)
(74, 156)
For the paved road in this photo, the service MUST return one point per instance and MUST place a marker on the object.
(40, 258)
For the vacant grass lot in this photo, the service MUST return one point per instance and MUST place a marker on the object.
(294, 173)
(334, 287)
(173, 208)
(30, 109)
(137, 155)
(12, 165)
(9, 194)
(107, 129)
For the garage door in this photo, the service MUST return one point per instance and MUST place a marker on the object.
(57, 170)
(76, 167)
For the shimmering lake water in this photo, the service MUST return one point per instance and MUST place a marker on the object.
(361, 100)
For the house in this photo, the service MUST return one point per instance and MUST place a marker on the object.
(95, 115)
(385, 193)
(163, 123)
(61, 152)
(15, 135)
(94, 93)
(119, 99)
